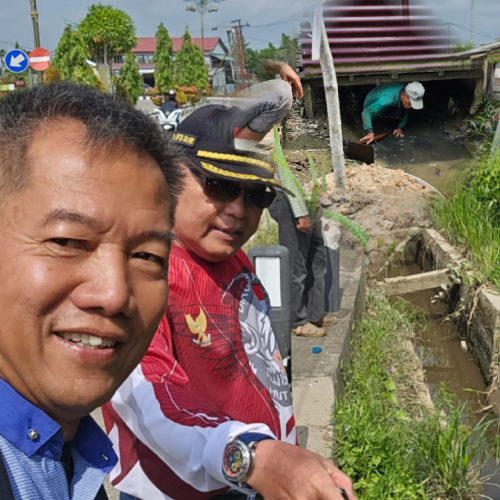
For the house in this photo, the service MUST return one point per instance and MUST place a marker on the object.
(217, 59)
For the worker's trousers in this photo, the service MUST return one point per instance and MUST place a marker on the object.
(308, 263)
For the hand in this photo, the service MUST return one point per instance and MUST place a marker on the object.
(369, 138)
(286, 471)
(398, 133)
(289, 75)
(304, 224)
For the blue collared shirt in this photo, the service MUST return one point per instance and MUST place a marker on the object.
(31, 445)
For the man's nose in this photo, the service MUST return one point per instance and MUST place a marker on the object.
(107, 285)
(237, 208)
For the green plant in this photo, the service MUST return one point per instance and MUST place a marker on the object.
(107, 32)
(163, 59)
(390, 247)
(266, 234)
(470, 218)
(131, 79)
(311, 203)
(190, 67)
(70, 58)
(387, 441)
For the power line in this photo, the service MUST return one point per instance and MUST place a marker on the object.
(475, 32)
(289, 19)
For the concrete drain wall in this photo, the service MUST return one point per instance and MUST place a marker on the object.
(479, 317)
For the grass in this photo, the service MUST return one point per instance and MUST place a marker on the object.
(266, 234)
(387, 441)
(472, 223)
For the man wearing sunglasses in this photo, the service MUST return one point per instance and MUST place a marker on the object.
(208, 413)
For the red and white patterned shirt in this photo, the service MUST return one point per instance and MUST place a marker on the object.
(212, 372)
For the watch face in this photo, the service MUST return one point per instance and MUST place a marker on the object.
(233, 462)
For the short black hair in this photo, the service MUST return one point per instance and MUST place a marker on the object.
(107, 120)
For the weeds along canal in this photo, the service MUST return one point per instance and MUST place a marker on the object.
(446, 361)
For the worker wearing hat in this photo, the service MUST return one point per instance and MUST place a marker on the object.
(392, 101)
(208, 412)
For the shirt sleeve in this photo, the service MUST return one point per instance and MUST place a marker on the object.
(169, 441)
(371, 112)
(405, 119)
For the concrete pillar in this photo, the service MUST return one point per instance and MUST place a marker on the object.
(308, 100)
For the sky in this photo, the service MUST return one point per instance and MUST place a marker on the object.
(282, 15)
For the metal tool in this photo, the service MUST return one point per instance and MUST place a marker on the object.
(343, 492)
(362, 152)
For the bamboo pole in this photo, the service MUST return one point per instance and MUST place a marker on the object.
(333, 109)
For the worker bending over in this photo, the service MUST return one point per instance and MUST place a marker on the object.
(393, 101)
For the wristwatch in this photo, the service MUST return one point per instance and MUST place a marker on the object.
(239, 461)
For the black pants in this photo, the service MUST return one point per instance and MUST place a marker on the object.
(308, 262)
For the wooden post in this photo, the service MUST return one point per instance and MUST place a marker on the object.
(478, 96)
(308, 100)
(333, 109)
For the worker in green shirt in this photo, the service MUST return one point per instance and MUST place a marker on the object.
(393, 101)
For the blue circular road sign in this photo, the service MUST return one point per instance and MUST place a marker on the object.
(16, 61)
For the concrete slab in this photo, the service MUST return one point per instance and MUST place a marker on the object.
(415, 282)
(317, 378)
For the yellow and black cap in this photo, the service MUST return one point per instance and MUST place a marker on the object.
(207, 137)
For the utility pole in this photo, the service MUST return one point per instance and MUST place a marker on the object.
(471, 21)
(240, 50)
(34, 17)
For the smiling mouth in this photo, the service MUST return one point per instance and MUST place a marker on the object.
(229, 232)
(87, 341)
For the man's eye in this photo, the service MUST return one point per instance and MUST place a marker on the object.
(67, 242)
(150, 258)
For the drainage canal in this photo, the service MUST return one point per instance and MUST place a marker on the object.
(446, 360)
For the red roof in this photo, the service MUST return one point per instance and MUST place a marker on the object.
(147, 45)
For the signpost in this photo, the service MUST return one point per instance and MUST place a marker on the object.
(16, 61)
(39, 59)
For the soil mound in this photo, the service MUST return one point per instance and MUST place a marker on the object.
(390, 205)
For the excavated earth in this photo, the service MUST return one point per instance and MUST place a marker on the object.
(390, 205)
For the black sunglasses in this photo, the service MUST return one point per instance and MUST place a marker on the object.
(227, 191)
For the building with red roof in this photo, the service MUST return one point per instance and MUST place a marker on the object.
(217, 59)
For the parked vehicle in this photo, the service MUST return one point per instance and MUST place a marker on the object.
(168, 123)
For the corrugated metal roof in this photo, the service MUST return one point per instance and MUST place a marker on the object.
(378, 36)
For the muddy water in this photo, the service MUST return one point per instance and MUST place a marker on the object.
(425, 152)
(446, 361)
(441, 350)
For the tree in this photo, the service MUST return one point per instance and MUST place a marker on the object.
(107, 32)
(70, 58)
(163, 59)
(130, 78)
(190, 67)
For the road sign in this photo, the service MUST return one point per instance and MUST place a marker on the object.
(16, 61)
(39, 59)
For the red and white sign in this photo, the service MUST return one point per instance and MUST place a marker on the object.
(39, 59)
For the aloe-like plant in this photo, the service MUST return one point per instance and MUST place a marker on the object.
(288, 178)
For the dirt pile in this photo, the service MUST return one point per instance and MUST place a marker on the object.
(390, 205)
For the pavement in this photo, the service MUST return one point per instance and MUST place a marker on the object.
(317, 378)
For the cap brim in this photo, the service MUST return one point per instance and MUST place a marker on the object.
(227, 172)
(417, 104)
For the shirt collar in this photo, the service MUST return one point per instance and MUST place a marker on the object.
(32, 431)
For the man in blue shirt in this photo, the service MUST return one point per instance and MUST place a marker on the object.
(87, 190)
(392, 101)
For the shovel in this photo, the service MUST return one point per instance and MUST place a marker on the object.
(361, 152)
